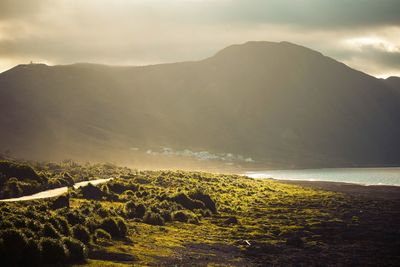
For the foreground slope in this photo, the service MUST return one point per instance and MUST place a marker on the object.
(176, 218)
(275, 103)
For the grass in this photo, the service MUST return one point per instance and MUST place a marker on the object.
(257, 222)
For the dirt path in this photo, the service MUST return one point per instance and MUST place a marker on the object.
(54, 192)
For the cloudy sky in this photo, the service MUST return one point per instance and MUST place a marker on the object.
(364, 34)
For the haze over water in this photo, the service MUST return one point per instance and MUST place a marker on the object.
(366, 176)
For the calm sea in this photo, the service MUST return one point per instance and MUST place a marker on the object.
(366, 176)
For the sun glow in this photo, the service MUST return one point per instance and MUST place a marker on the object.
(372, 42)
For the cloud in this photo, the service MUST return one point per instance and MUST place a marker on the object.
(315, 13)
(14, 9)
(140, 32)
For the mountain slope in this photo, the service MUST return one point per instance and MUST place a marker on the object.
(278, 103)
(394, 83)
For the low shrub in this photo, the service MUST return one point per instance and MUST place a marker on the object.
(14, 244)
(49, 231)
(153, 218)
(115, 226)
(91, 192)
(53, 251)
(32, 255)
(101, 234)
(187, 202)
(77, 250)
(206, 199)
(81, 233)
(180, 216)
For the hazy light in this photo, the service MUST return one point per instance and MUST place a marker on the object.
(374, 42)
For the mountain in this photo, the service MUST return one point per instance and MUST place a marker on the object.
(394, 83)
(254, 104)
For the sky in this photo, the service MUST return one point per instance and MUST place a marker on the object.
(364, 34)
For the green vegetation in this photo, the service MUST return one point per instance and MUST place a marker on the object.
(184, 218)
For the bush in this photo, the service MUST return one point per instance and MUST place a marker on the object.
(140, 211)
(116, 227)
(60, 202)
(91, 192)
(123, 229)
(101, 234)
(77, 250)
(130, 209)
(32, 254)
(81, 233)
(153, 218)
(64, 226)
(49, 231)
(206, 199)
(53, 251)
(180, 216)
(187, 202)
(14, 244)
(74, 217)
(10, 169)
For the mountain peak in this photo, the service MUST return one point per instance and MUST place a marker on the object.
(262, 47)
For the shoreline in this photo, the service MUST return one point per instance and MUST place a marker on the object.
(387, 192)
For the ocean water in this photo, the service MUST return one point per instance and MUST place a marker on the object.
(365, 176)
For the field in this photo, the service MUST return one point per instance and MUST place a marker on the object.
(177, 218)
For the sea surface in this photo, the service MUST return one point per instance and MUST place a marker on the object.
(365, 176)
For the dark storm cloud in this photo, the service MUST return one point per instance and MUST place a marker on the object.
(315, 13)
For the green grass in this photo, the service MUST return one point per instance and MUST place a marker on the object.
(256, 221)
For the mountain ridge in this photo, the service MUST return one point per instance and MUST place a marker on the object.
(280, 104)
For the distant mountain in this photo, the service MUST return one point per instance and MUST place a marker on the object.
(255, 104)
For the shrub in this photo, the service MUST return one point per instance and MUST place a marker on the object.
(180, 216)
(91, 192)
(14, 243)
(74, 217)
(49, 231)
(10, 169)
(34, 226)
(166, 214)
(140, 211)
(116, 227)
(101, 234)
(187, 202)
(153, 218)
(60, 202)
(81, 233)
(206, 199)
(53, 251)
(64, 226)
(77, 250)
(123, 229)
(31, 254)
(130, 209)
(68, 178)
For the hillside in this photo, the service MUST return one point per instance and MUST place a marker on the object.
(394, 83)
(178, 218)
(256, 104)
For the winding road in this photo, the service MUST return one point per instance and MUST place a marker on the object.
(55, 192)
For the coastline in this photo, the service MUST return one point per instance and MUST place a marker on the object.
(387, 192)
